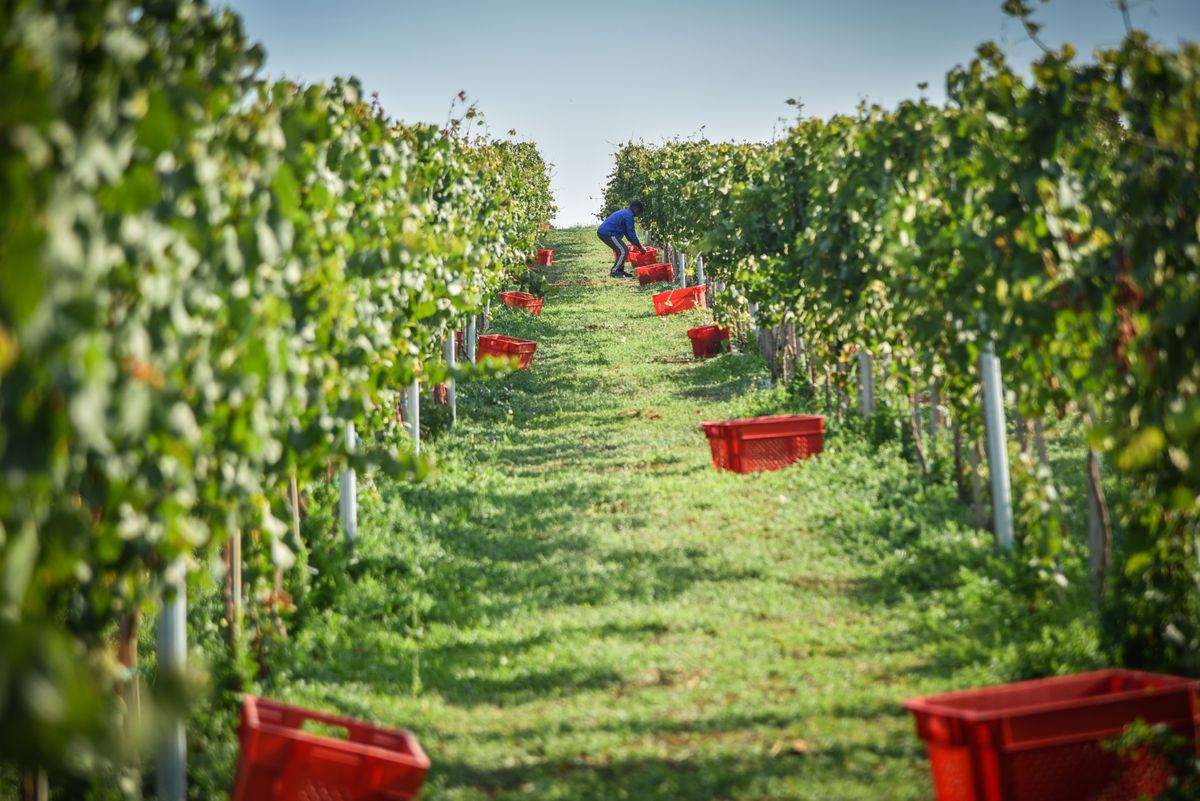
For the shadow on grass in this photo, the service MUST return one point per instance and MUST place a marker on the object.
(520, 551)
(570, 244)
(718, 379)
(504, 548)
(686, 777)
(527, 580)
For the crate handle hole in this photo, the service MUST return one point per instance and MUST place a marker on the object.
(323, 729)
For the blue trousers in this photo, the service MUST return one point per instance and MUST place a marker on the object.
(620, 247)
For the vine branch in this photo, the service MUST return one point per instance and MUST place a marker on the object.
(1124, 6)
(1021, 10)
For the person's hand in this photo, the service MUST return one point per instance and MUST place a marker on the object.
(641, 249)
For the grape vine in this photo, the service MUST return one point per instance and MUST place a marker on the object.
(1057, 216)
(203, 275)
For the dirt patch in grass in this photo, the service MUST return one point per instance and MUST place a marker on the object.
(840, 584)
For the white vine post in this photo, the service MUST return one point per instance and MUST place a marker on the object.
(235, 562)
(487, 314)
(683, 270)
(935, 416)
(866, 384)
(414, 413)
(450, 354)
(700, 271)
(469, 336)
(997, 446)
(348, 501)
(172, 664)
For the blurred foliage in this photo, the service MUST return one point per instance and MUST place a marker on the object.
(203, 276)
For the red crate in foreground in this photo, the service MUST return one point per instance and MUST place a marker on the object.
(653, 273)
(764, 443)
(677, 300)
(524, 300)
(1041, 740)
(280, 761)
(499, 345)
(707, 339)
(545, 257)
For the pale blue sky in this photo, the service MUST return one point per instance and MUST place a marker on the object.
(579, 78)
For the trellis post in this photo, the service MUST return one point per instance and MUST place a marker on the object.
(414, 413)
(172, 665)
(866, 384)
(997, 446)
(935, 415)
(348, 500)
(450, 354)
(470, 337)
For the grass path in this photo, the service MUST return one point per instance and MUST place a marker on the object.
(601, 614)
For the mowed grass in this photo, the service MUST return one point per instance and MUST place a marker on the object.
(578, 606)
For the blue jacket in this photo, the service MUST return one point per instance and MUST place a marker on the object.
(620, 224)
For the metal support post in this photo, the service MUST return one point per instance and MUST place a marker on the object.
(866, 384)
(450, 354)
(348, 501)
(172, 666)
(414, 413)
(997, 446)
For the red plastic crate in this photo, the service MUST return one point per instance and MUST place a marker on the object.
(499, 345)
(279, 761)
(765, 443)
(639, 259)
(707, 339)
(643, 259)
(524, 300)
(1041, 740)
(653, 273)
(545, 257)
(677, 300)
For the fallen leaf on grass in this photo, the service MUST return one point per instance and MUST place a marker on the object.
(796, 747)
